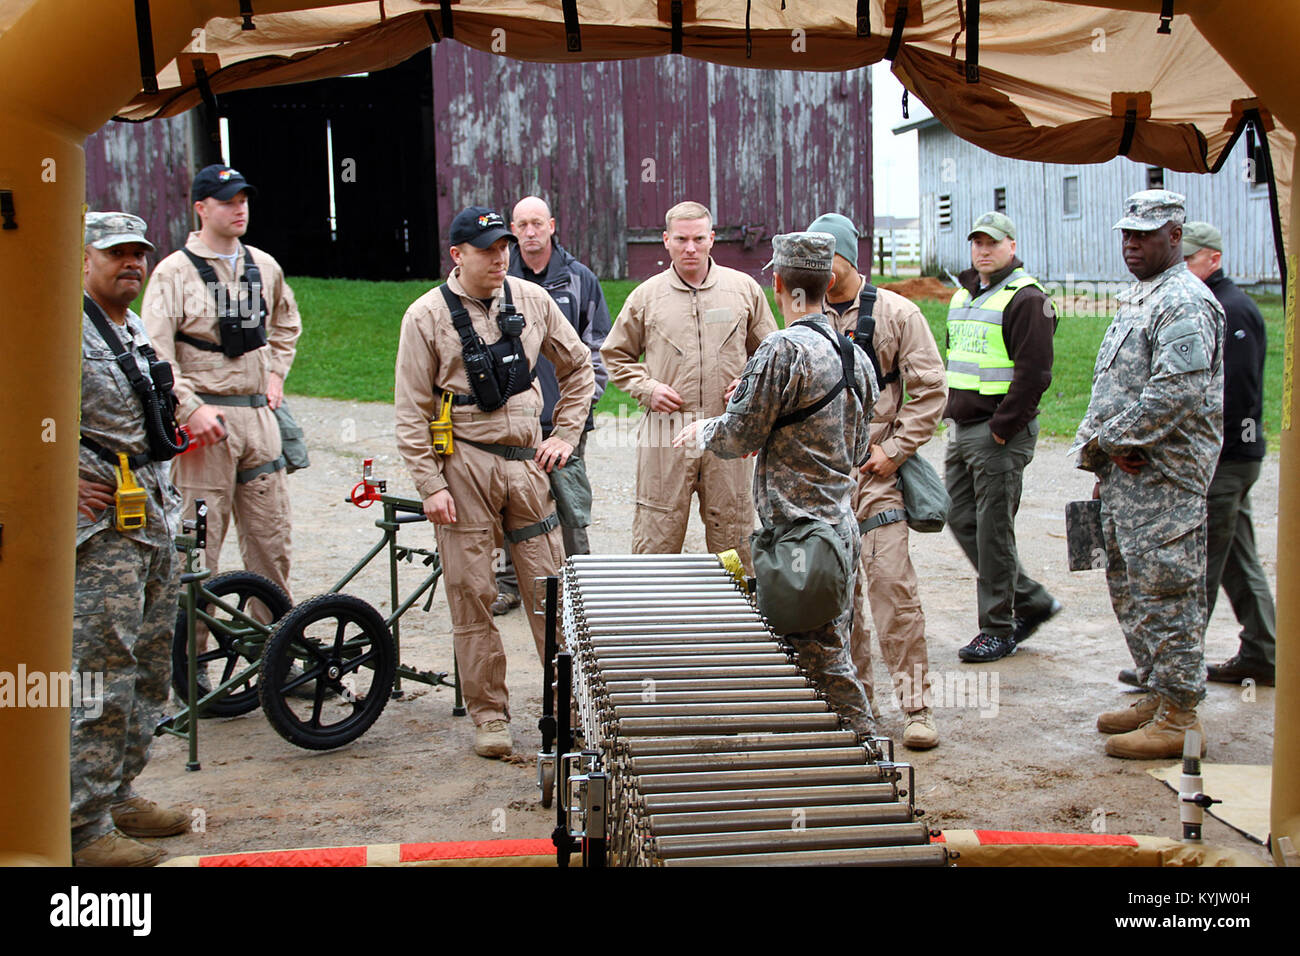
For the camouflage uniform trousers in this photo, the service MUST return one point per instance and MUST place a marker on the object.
(1157, 589)
(125, 613)
(824, 653)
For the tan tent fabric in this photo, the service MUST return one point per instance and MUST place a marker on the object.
(1243, 789)
(1049, 71)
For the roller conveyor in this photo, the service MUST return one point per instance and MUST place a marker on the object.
(687, 734)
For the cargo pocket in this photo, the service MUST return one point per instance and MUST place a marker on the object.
(1171, 566)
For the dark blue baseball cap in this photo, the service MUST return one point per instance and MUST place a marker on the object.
(220, 182)
(479, 226)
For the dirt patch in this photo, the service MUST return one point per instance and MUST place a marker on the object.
(925, 287)
(1021, 753)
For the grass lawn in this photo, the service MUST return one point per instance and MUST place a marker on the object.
(350, 329)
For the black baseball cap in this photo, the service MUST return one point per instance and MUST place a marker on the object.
(220, 182)
(479, 226)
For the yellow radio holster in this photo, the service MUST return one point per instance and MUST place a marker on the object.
(129, 499)
(441, 427)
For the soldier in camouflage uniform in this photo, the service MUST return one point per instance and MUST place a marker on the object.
(1152, 435)
(126, 584)
(805, 469)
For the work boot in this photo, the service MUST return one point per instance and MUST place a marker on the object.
(492, 739)
(986, 648)
(505, 602)
(1130, 676)
(1160, 738)
(1235, 670)
(918, 730)
(1131, 717)
(114, 849)
(1023, 627)
(139, 817)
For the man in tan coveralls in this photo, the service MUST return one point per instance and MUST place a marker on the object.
(227, 401)
(492, 485)
(908, 357)
(697, 323)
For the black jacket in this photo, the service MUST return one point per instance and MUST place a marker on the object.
(577, 292)
(1245, 345)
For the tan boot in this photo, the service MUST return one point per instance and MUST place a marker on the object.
(114, 849)
(1159, 738)
(1131, 717)
(918, 730)
(139, 817)
(492, 739)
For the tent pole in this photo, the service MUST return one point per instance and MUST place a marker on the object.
(1284, 812)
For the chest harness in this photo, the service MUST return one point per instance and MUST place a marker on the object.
(495, 371)
(242, 323)
(845, 349)
(864, 334)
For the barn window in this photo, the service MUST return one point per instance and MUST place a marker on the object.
(1000, 199)
(945, 212)
(1070, 196)
(1155, 177)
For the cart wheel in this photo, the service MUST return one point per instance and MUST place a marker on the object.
(547, 773)
(327, 671)
(258, 598)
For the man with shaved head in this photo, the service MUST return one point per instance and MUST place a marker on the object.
(538, 257)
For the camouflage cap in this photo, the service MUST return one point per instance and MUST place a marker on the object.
(994, 224)
(803, 250)
(105, 229)
(1201, 235)
(1150, 209)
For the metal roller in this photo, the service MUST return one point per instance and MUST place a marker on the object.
(681, 640)
(752, 627)
(814, 838)
(702, 739)
(935, 855)
(692, 802)
(716, 683)
(726, 709)
(737, 743)
(784, 723)
(750, 779)
(749, 760)
(606, 651)
(777, 818)
(733, 658)
(702, 673)
(656, 696)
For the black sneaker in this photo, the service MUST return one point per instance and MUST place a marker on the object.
(1235, 670)
(1130, 676)
(1022, 628)
(986, 648)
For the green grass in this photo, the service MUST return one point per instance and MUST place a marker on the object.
(350, 329)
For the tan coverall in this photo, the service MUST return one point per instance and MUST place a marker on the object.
(696, 341)
(492, 495)
(177, 300)
(902, 341)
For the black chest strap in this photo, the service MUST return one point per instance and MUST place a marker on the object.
(471, 341)
(847, 378)
(251, 280)
(864, 334)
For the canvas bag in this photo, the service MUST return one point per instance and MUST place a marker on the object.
(804, 574)
(924, 496)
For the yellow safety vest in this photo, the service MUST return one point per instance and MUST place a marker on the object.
(977, 354)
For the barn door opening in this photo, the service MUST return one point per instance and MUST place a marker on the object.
(344, 172)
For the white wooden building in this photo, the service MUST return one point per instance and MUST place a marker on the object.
(1064, 213)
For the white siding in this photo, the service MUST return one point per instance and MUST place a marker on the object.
(1054, 246)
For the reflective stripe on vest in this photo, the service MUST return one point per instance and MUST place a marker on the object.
(977, 354)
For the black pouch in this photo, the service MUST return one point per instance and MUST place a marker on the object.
(1083, 536)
